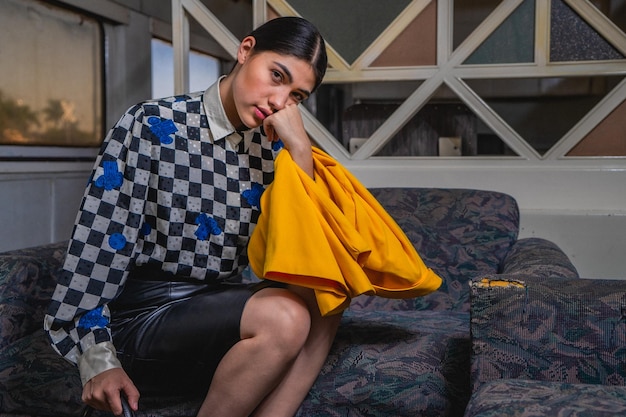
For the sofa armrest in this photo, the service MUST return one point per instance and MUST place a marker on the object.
(538, 257)
(560, 330)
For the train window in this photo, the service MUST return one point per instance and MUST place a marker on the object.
(50, 76)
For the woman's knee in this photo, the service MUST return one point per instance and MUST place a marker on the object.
(280, 317)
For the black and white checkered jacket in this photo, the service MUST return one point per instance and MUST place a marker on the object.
(174, 185)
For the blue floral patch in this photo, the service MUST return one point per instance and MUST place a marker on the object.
(253, 195)
(162, 129)
(278, 145)
(146, 229)
(111, 178)
(206, 226)
(117, 241)
(94, 318)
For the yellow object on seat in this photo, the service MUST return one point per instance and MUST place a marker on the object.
(330, 234)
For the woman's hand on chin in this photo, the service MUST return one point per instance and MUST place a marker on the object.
(287, 125)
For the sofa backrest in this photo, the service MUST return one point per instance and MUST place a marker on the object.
(548, 329)
(459, 233)
(27, 281)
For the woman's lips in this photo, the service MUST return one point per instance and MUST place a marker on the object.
(260, 113)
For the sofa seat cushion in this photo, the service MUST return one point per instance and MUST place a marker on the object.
(35, 380)
(526, 398)
(557, 330)
(382, 364)
(395, 364)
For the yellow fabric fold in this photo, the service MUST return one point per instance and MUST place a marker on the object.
(330, 234)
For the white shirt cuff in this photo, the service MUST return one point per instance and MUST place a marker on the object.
(97, 359)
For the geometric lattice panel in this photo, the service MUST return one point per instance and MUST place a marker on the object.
(607, 139)
(350, 26)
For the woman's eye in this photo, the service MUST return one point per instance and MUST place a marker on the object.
(277, 75)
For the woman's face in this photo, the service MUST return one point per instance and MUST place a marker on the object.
(265, 83)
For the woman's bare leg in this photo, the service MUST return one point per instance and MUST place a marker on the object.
(285, 342)
(286, 398)
(275, 325)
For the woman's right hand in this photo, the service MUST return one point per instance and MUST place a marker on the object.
(287, 125)
(102, 392)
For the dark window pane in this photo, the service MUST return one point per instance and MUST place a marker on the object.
(512, 42)
(543, 110)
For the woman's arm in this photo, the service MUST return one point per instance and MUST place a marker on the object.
(98, 258)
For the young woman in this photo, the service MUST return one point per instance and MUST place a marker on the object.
(150, 298)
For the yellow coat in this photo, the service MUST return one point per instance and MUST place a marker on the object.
(332, 235)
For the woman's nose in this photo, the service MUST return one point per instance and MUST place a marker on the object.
(279, 100)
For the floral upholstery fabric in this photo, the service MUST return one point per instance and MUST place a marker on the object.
(27, 281)
(524, 398)
(30, 362)
(390, 357)
(396, 363)
(547, 345)
(538, 257)
(558, 330)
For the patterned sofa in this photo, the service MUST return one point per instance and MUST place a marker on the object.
(390, 358)
(548, 347)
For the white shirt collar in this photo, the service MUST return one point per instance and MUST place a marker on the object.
(219, 125)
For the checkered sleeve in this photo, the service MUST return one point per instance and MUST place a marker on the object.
(103, 241)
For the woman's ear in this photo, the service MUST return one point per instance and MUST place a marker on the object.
(245, 49)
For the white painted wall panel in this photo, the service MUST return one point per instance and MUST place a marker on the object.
(584, 216)
(67, 195)
(26, 216)
(596, 244)
(39, 202)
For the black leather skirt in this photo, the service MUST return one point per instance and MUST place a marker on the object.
(171, 335)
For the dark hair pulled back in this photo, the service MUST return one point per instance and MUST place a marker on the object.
(293, 36)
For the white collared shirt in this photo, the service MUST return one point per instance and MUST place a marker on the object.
(219, 125)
